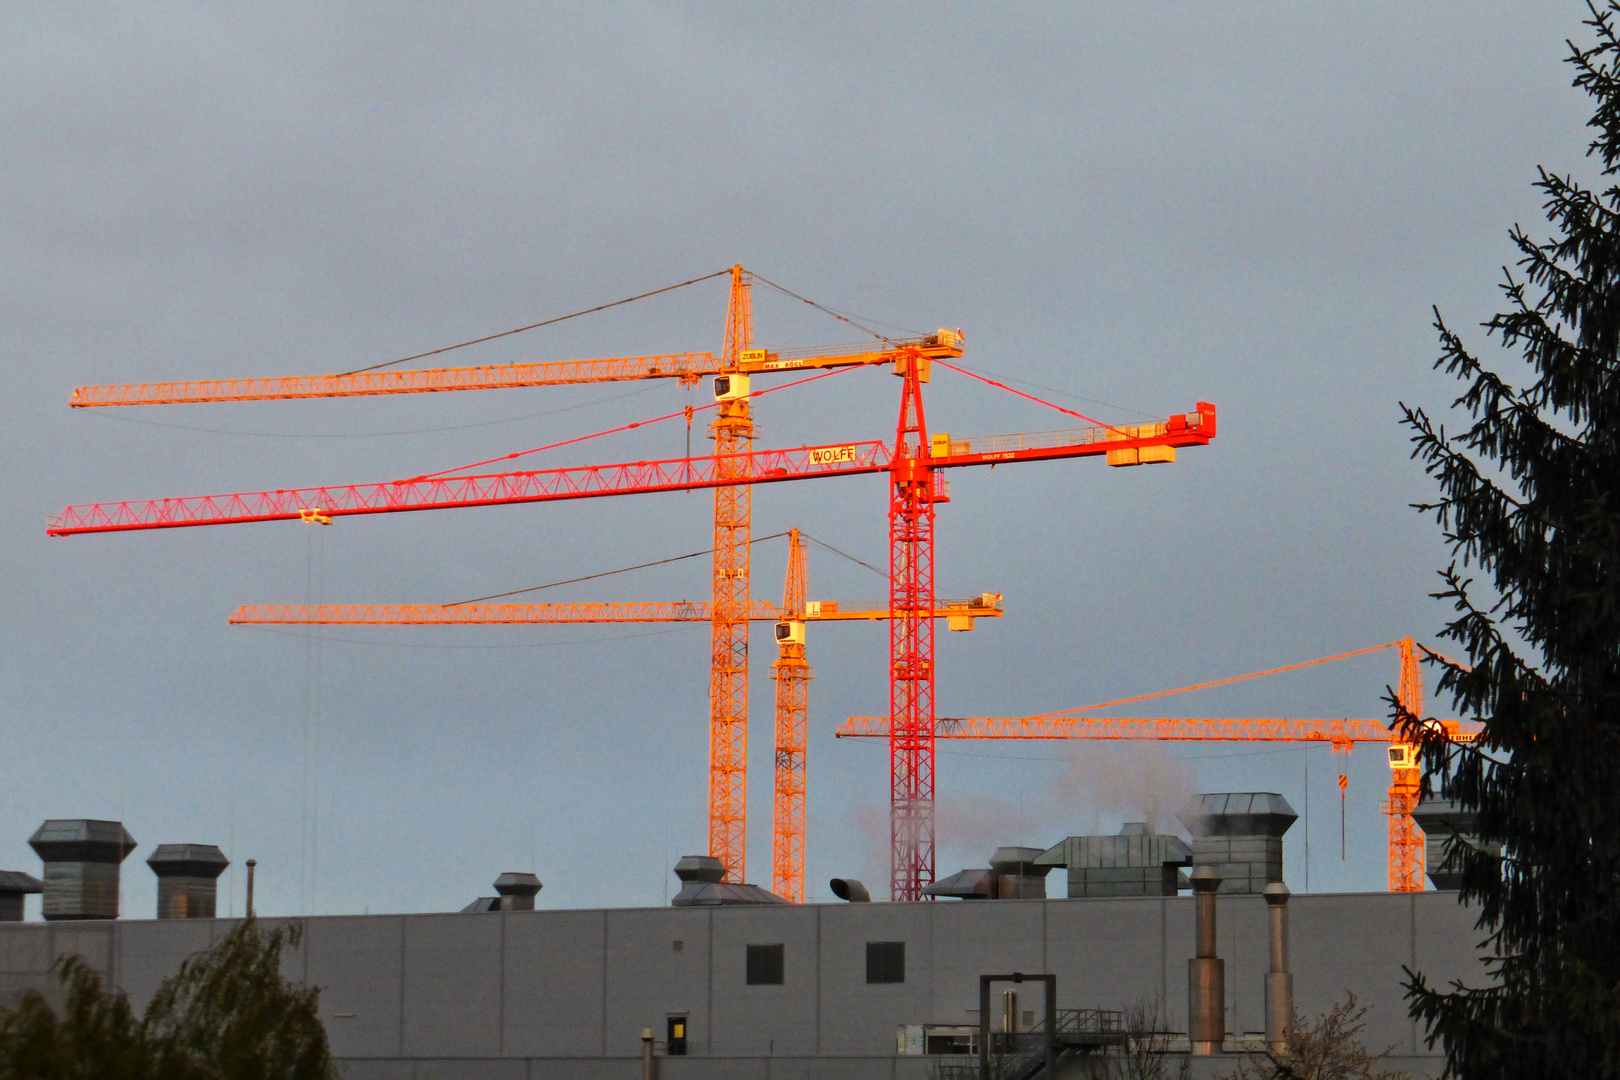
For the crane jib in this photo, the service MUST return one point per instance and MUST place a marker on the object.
(434, 493)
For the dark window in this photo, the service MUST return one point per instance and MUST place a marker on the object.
(885, 961)
(764, 965)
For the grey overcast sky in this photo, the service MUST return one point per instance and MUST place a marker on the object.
(1135, 206)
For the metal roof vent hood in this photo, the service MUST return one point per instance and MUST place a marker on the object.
(701, 886)
(15, 886)
(1013, 874)
(188, 879)
(1240, 834)
(81, 857)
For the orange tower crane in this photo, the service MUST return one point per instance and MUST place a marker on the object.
(792, 673)
(791, 670)
(732, 432)
(914, 465)
(1405, 839)
(1405, 780)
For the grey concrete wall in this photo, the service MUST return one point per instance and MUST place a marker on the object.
(566, 993)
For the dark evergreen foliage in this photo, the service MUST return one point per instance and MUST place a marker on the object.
(228, 1014)
(1530, 501)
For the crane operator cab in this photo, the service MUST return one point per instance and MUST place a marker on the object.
(790, 632)
(1402, 756)
(730, 387)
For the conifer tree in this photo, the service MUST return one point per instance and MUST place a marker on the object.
(1529, 501)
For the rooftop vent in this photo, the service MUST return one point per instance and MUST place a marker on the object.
(14, 887)
(701, 886)
(851, 890)
(81, 858)
(188, 879)
(1014, 874)
(517, 891)
(1240, 834)
(1136, 862)
(1440, 820)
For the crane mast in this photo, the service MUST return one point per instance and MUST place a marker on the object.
(733, 431)
(911, 646)
(792, 673)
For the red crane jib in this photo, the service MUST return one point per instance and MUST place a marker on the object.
(589, 481)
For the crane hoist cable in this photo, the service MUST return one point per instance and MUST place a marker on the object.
(538, 325)
(1217, 682)
(628, 427)
(604, 573)
(824, 308)
(1020, 393)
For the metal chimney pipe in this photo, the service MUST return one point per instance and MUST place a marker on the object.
(251, 863)
(647, 1054)
(1279, 982)
(1206, 974)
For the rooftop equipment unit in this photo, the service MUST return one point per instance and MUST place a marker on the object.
(15, 886)
(188, 879)
(1014, 874)
(81, 857)
(1134, 863)
(1440, 820)
(517, 891)
(702, 886)
(1240, 834)
(851, 890)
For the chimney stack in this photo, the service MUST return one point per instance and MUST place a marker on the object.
(517, 891)
(1279, 983)
(81, 858)
(1206, 974)
(188, 880)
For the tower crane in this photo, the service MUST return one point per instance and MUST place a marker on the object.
(732, 432)
(915, 465)
(791, 669)
(1405, 839)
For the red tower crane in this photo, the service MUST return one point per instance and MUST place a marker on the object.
(915, 488)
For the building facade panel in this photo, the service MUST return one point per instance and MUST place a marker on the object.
(857, 1017)
(1354, 943)
(973, 938)
(765, 1019)
(358, 963)
(657, 966)
(452, 986)
(149, 952)
(552, 1006)
(1106, 953)
(1445, 942)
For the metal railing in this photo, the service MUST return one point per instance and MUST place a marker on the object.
(1021, 1055)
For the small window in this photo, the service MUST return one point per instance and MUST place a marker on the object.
(885, 961)
(679, 946)
(765, 965)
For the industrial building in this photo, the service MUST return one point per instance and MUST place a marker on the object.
(740, 984)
